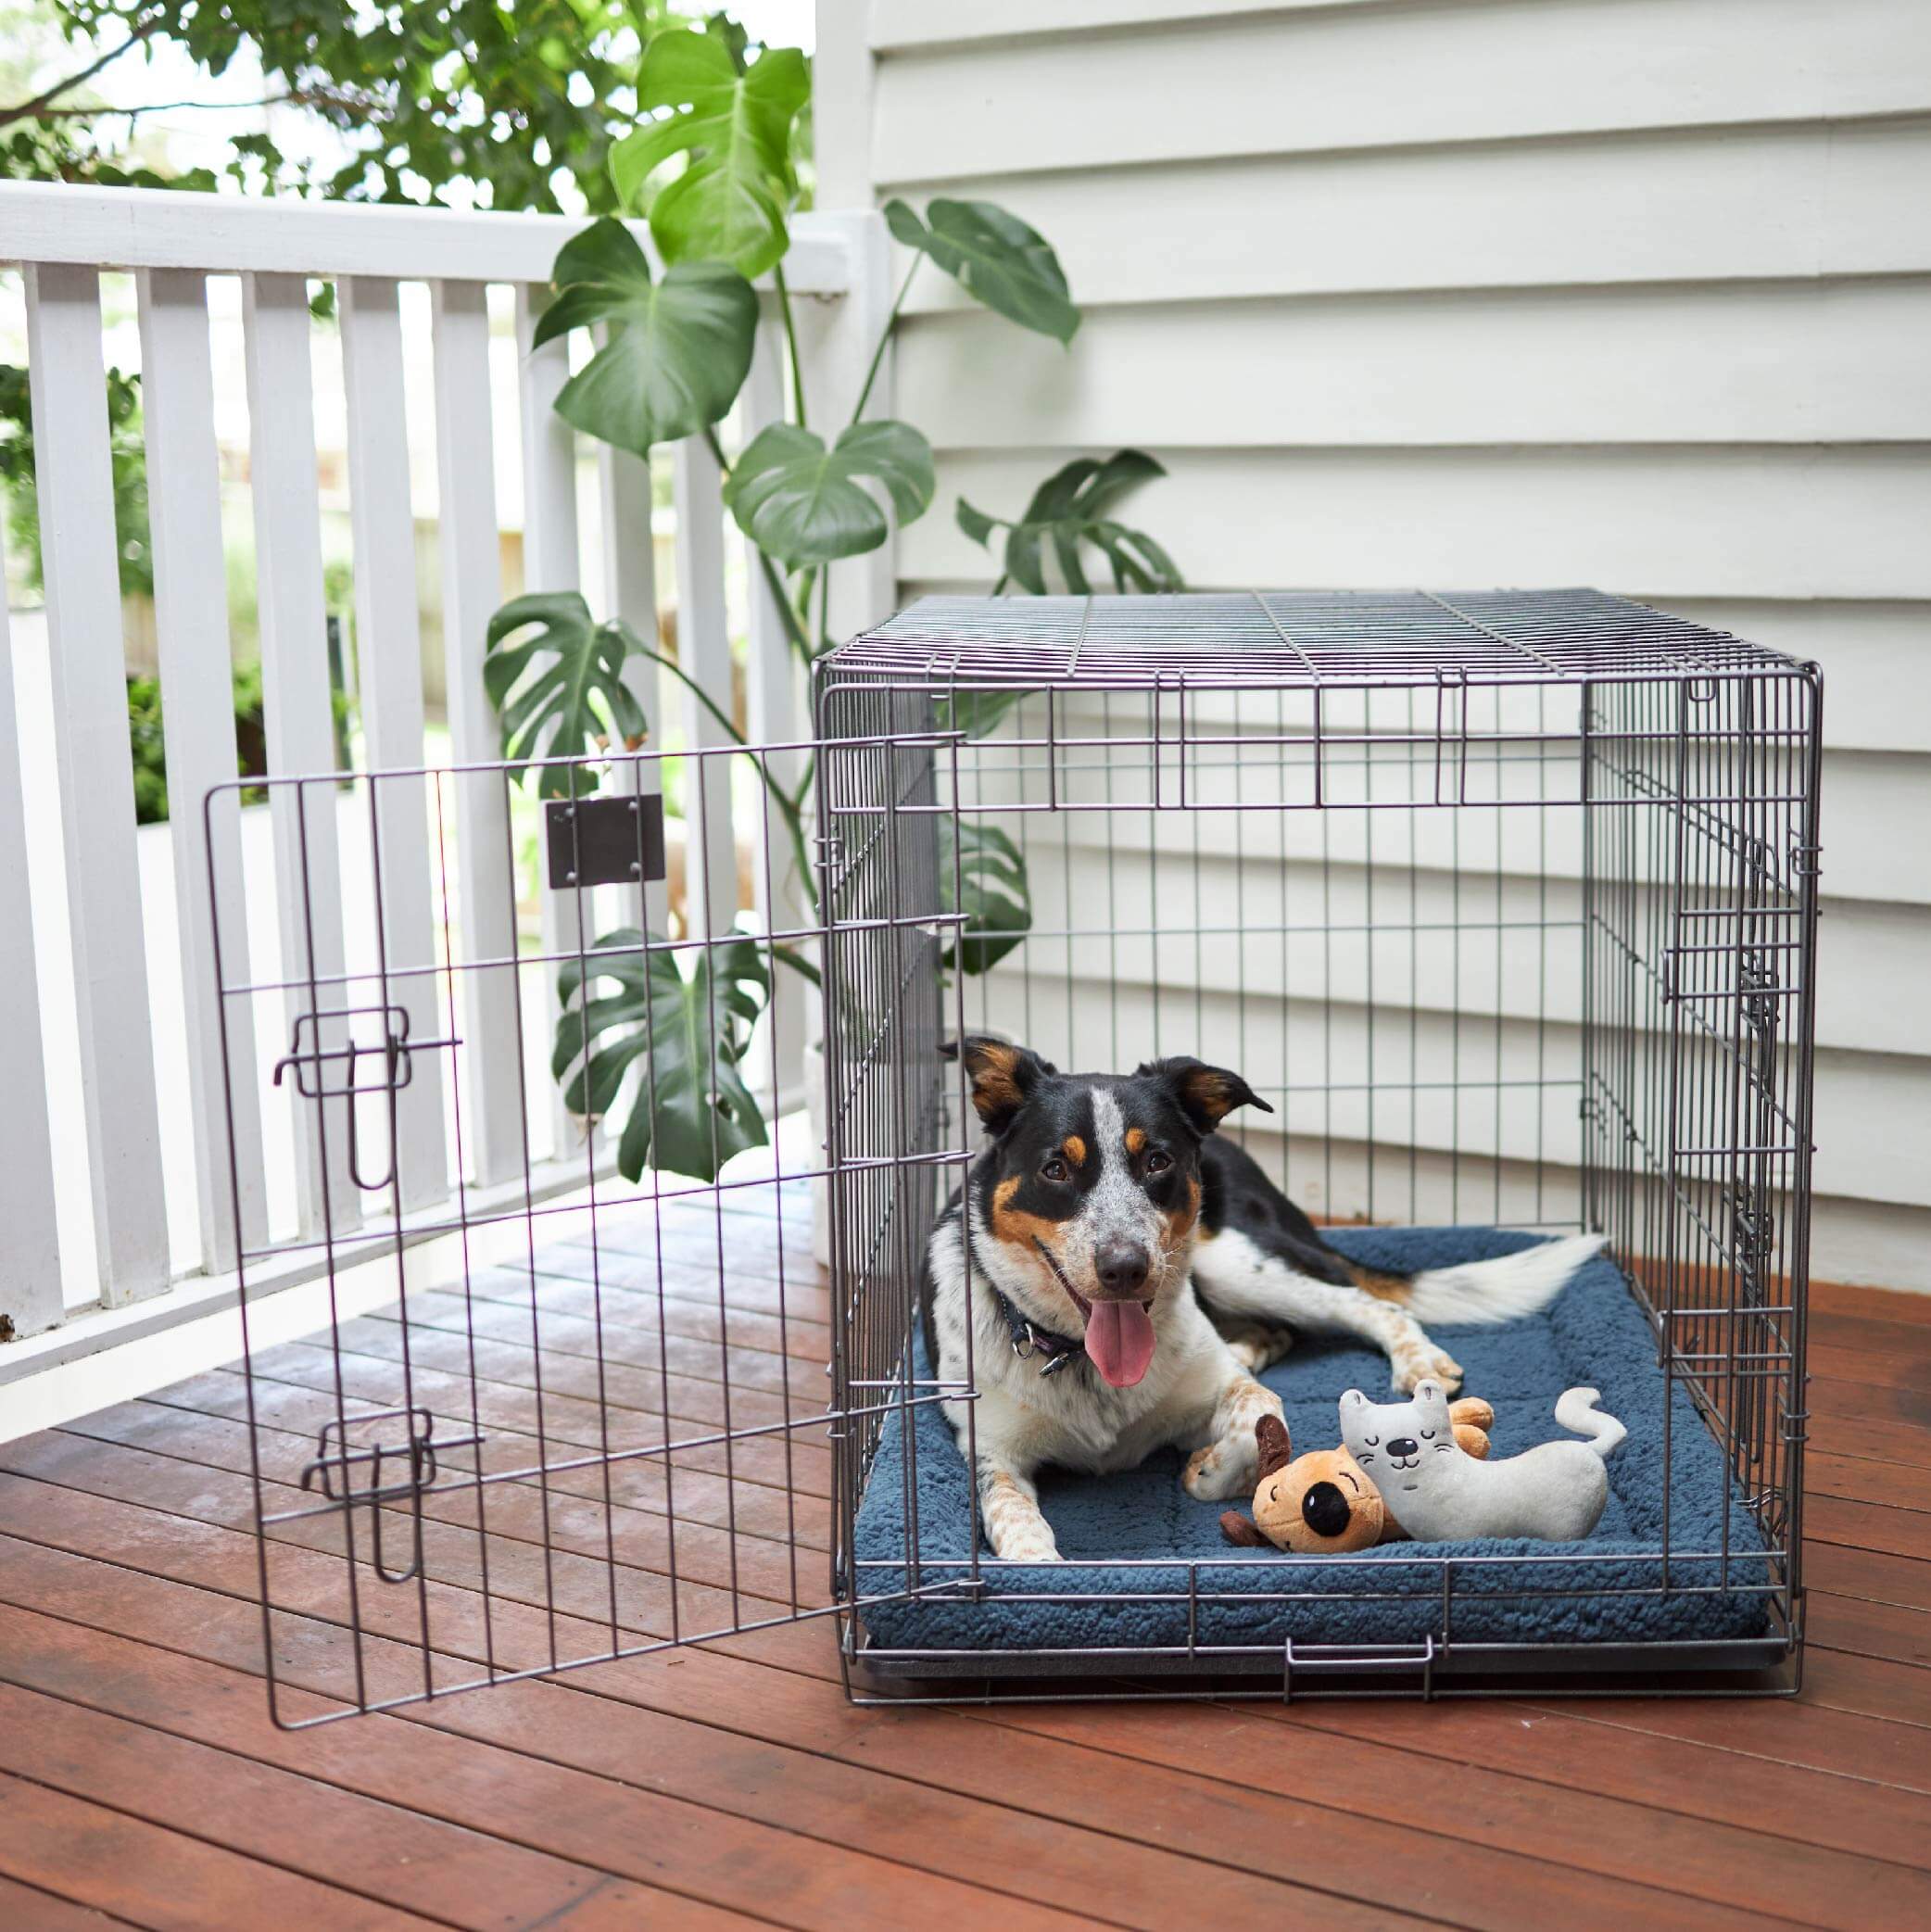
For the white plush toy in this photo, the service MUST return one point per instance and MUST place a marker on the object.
(1437, 1492)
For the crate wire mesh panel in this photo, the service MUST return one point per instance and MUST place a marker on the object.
(536, 1431)
(1505, 901)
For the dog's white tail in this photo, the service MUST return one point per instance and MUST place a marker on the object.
(1576, 1410)
(1504, 1288)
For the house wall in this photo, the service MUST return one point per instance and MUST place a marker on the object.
(1633, 293)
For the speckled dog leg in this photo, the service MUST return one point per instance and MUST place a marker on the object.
(1009, 1507)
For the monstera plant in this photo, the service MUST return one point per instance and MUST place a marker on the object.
(714, 164)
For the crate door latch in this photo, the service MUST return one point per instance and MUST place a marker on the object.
(380, 1471)
(386, 1066)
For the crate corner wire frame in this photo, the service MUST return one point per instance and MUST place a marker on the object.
(1506, 900)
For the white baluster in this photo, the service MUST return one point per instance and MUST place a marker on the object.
(551, 561)
(630, 592)
(704, 656)
(79, 568)
(30, 1254)
(494, 1135)
(197, 693)
(864, 590)
(389, 657)
(773, 715)
(299, 723)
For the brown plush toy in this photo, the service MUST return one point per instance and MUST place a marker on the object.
(1321, 1504)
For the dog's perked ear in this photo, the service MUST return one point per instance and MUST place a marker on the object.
(1206, 1095)
(1002, 1076)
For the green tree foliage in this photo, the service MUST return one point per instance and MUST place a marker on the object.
(513, 108)
(129, 458)
(145, 740)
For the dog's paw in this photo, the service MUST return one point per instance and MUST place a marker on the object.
(1418, 1365)
(1220, 1470)
(1040, 1548)
(1259, 1349)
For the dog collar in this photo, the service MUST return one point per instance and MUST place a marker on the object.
(1029, 1340)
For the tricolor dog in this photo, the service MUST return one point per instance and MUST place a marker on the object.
(1125, 1272)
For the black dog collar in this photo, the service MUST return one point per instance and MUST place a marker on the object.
(1030, 1340)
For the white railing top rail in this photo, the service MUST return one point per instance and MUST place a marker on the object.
(137, 228)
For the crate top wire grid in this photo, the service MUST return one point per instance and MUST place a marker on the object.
(1276, 638)
(1618, 805)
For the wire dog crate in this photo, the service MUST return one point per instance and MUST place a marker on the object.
(1507, 902)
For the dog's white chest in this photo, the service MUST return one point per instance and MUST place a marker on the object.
(1075, 1422)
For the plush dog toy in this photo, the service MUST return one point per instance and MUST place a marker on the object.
(1437, 1492)
(1323, 1504)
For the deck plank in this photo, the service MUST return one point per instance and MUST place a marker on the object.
(146, 1786)
(1869, 1629)
(26, 1905)
(90, 1854)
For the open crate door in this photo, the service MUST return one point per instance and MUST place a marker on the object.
(541, 1368)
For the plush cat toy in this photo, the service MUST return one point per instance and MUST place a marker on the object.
(1321, 1504)
(1437, 1492)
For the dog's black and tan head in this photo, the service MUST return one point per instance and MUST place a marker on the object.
(1090, 1189)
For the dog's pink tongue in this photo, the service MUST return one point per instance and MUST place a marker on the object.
(1120, 1337)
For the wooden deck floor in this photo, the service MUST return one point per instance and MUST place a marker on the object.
(142, 1783)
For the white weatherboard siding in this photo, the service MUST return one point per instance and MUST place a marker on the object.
(1625, 292)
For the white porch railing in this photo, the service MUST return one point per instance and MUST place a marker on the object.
(63, 239)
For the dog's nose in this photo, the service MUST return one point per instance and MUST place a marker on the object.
(1122, 1267)
(1324, 1510)
(1403, 1446)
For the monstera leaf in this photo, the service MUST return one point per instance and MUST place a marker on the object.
(994, 255)
(1069, 510)
(678, 351)
(735, 124)
(802, 503)
(992, 893)
(692, 1111)
(555, 680)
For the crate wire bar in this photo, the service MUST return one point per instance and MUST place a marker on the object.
(1506, 900)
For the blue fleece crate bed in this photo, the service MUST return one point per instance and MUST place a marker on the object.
(1594, 1334)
